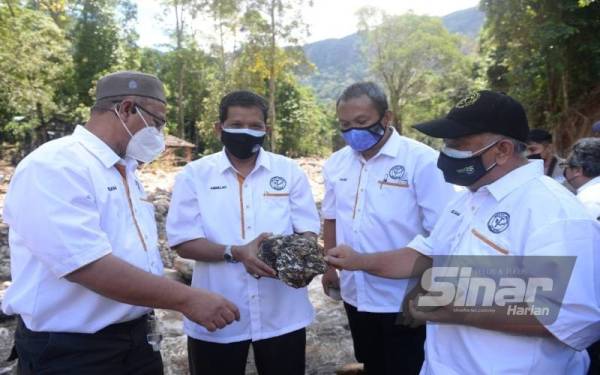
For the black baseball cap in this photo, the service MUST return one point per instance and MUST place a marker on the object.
(481, 112)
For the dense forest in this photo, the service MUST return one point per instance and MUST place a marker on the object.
(544, 52)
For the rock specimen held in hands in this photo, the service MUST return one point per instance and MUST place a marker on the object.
(296, 259)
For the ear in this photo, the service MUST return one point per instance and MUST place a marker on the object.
(505, 150)
(217, 130)
(388, 118)
(126, 108)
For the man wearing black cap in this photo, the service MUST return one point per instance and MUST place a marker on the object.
(511, 212)
(85, 264)
(539, 146)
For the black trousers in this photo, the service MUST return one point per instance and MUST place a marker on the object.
(594, 352)
(117, 349)
(384, 347)
(281, 355)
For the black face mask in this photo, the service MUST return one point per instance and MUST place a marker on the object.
(464, 171)
(242, 143)
(534, 156)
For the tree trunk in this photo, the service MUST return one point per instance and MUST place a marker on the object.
(272, 113)
(395, 108)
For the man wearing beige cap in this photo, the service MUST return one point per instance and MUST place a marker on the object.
(84, 252)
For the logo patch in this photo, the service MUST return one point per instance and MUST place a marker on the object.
(133, 85)
(499, 222)
(278, 183)
(397, 173)
(468, 100)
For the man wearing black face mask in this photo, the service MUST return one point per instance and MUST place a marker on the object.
(539, 146)
(509, 210)
(222, 207)
(381, 191)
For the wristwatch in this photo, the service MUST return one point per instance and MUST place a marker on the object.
(228, 256)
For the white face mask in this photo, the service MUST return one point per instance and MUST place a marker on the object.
(459, 154)
(145, 145)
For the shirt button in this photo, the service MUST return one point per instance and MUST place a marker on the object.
(361, 189)
(248, 206)
(245, 185)
(249, 227)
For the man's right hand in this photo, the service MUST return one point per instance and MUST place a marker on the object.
(330, 279)
(247, 254)
(209, 310)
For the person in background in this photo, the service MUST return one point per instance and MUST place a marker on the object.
(539, 146)
(582, 171)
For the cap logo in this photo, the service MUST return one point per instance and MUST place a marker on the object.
(133, 85)
(468, 100)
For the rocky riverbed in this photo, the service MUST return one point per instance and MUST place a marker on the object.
(329, 345)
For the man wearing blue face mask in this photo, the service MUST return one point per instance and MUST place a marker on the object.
(381, 191)
(222, 207)
(509, 211)
(85, 262)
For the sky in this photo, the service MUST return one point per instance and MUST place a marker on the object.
(326, 18)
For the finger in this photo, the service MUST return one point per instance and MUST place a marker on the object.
(335, 262)
(334, 251)
(219, 322)
(210, 327)
(228, 315)
(264, 269)
(263, 236)
(233, 308)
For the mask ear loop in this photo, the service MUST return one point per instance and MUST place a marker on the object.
(121, 120)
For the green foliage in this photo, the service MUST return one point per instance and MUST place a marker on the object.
(546, 53)
(418, 61)
(29, 75)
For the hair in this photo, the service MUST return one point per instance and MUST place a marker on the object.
(107, 104)
(585, 154)
(242, 98)
(368, 89)
(539, 136)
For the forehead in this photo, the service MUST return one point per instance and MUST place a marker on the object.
(355, 107)
(244, 114)
(475, 140)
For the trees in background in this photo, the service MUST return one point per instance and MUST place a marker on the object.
(547, 54)
(417, 60)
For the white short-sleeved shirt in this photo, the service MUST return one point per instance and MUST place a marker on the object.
(210, 201)
(380, 205)
(541, 218)
(589, 195)
(67, 206)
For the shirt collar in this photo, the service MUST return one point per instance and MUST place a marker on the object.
(262, 160)
(590, 183)
(390, 148)
(97, 147)
(515, 178)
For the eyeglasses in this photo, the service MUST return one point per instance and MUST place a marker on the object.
(566, 164)
(159, 122)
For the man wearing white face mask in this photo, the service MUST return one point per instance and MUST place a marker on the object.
(85, 264)
(222, 207)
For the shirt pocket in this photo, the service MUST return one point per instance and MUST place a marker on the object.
(487, 243)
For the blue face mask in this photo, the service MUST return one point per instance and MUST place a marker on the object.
(363, 139)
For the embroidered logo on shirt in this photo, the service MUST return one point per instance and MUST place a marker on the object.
(397, 173)
(499, 222)
(278, 183)
(111, 188)
(343, 179)
(218, 187)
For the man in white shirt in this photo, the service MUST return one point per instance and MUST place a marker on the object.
(85, 264)
(222, 207)
(582, 171)
(510, 211)
(380, 192)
